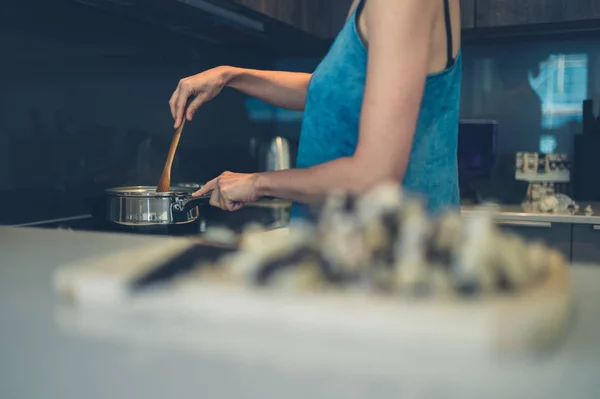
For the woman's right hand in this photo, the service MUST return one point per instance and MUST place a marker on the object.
(204, 87)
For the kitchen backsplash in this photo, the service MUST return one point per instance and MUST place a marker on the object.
(84, 103)
(534, 89)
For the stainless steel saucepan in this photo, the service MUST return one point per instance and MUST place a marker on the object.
(143, 206)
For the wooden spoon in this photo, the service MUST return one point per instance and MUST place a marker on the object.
(164, 183)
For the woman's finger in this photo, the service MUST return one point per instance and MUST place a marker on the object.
(172, 102)
(194, 106)
(179, 115)
(180, 102)
(208, 187)
(229, 205)
(222, 200)
(236, 206)
(214, 199)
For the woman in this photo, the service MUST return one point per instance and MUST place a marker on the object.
(382, 105)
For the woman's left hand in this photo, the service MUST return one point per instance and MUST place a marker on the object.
(231, 191)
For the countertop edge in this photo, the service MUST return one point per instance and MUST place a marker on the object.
(537, 217)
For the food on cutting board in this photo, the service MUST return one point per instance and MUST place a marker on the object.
(441, 282)
(385, 242)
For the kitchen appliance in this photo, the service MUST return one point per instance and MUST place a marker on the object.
(537, 167)
(590, 122)
(268, 213)
(275, 155)
(476, 154)
(585, 163)
(545, 174)
(144, 206)
(139, 209)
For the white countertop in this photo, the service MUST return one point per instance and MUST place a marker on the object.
(40, 359)
(516, 213)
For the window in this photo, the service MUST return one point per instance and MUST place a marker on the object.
(562, 86)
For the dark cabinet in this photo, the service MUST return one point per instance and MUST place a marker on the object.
(586, 243)
(555, 235)
(579, 10)
(467, 14)
(496, 13)
(322, 18)
(492, 13)
(339, 10)
(288, 12)
(314, 16)
(325, 18)
(291, 12)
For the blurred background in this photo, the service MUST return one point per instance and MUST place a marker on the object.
(85, 86)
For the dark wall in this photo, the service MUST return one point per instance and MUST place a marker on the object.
(84, 106)
(496, 85)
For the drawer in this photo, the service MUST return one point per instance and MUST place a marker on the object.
(555, 235)
(586, 243)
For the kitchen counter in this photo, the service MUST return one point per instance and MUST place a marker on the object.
(42, 359)
(516, 213)
(271, 214)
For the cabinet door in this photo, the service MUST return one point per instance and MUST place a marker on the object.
(578, 10)
(467, 14)
(555, 235)
(315, 16)
(491, 13)
(312, 16)
(266, 7)
(338, 12)
(586, 243)
(284, 11)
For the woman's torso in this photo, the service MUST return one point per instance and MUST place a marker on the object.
(332, 114)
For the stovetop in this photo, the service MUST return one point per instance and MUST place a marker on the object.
(268, 216)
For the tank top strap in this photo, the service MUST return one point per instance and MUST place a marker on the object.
(449, 42)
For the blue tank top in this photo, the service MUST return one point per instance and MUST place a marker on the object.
(332, 112)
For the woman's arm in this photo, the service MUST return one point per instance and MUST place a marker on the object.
(399, 34)
(282, 89)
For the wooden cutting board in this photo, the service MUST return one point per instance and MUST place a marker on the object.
(530, 321)
(105, 278)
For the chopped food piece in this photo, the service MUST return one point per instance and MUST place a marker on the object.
(384, 242)
(411, 263)
(472, 265)
(220, 235)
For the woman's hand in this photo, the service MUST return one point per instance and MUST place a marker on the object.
(204, 87)
(231, 191)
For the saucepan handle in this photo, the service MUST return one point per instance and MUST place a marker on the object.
(184, 204)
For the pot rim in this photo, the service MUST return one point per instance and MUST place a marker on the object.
(148, 191)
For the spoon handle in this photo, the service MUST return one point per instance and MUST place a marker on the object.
(164, 183)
